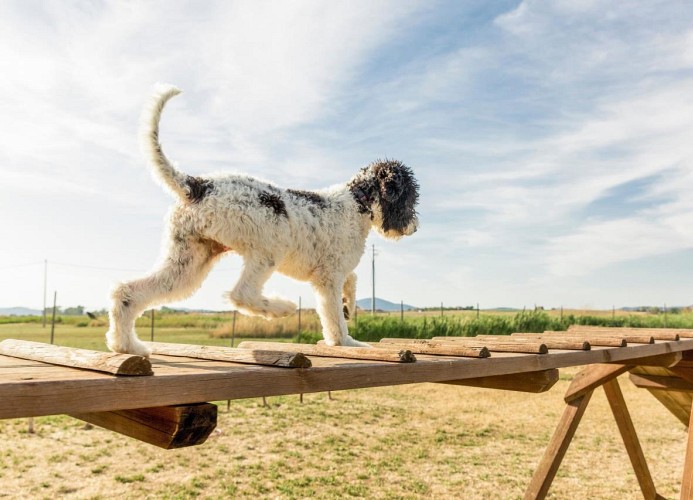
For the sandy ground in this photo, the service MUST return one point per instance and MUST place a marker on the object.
(416, 441)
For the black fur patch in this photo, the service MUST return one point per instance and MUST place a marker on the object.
(309, 196)
(198, 188)
(274, 202)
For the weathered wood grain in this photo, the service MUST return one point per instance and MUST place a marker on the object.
(420, 346)
(498, 345)
(264, 357)
(657, 333)
(592, 377)
(106, 362)
(322, 350)
(630, 438)
(597, 340)
(557, 447)
(534, 382)
(167, 427)
(568, 343)
(40, 389)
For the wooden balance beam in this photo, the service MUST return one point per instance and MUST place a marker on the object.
(187, 375)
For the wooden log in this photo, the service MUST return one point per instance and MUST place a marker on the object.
(601, 341)
(534, 382)
(630, 438)
(263, 357)
(669, 334)
(107, 362)
(497, 345)
(165, 426)
(592, 377)
(419, 346)
(558, 343)
(661, 383)
(322, 350)
(635, 338)
(555, 451)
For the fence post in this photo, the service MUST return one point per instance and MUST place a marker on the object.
(298, 335)
(152, 326)
(401, 311)
(55, 299)
(233, 328)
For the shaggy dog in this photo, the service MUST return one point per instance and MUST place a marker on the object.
(317, 237)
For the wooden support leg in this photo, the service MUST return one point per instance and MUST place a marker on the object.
(687, 483)
(630, 439)
(546, 471)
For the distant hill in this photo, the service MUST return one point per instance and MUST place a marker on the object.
(382, 305)
(19, 311)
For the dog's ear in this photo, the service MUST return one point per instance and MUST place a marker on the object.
(391, 181)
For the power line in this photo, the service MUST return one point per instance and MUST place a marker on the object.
(16, 266)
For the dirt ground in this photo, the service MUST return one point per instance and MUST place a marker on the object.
(416, 441)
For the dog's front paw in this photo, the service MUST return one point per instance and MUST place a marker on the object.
(276, 307)
(128, 345)
(352, 342)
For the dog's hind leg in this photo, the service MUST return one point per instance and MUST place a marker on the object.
(349, 295)
(186, 266)
(246, 295)
(330, 310)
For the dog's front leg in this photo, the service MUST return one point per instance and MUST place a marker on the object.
(330, 310)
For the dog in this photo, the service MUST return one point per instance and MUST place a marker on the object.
(315, 236)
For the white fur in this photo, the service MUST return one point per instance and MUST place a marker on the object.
(319, 240)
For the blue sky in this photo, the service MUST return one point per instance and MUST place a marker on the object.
(553, 141)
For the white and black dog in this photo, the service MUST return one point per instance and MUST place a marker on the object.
(317, 237)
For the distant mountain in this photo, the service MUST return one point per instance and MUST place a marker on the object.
(382, 305)
(19, 311)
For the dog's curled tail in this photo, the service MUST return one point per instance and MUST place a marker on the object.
(163, 169)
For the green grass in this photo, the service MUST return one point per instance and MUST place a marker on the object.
(213, 328)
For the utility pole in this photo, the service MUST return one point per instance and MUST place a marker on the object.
(373, 282)
(45, 281)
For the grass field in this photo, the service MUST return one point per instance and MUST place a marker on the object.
(416, 441)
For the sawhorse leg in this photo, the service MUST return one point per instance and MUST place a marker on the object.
(577, 397)
(687, 483)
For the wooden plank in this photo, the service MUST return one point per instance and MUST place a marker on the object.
(557, 343)
(630, 438)
(534, 382)
(362, 353)
(106, 362)
(657, 333)
(497, 346)
(167, 427)
(592, 377)
(419, 346)
(687, 482)
(245, 356)
(55, 389)
(555, 451)
(661, 383)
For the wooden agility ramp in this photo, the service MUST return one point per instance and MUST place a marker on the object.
(162, 400)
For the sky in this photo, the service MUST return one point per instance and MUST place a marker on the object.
(552, 140)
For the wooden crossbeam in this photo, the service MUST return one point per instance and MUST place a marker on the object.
(670, 334)
(322, 350)
(592, 377)
(661, 383)
(106, 362)
(165, 426)
(264, 357)
(507, 345)
(599, 340)
(534, 382)
(567, 344)
(421, 346)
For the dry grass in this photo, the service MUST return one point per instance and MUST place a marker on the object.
(417, 441)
